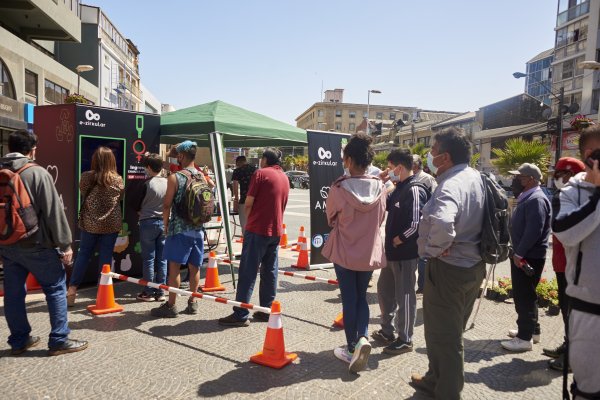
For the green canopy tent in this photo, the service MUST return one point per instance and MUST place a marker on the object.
(218, 125)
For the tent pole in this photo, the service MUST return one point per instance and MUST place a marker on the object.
(216, 147)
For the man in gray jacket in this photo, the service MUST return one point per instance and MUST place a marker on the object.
(41, 254)
(577, 226)
(449, 238)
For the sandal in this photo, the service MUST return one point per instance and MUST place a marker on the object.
(71, 300)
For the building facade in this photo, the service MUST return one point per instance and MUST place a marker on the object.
(30, 73)
(538, 82)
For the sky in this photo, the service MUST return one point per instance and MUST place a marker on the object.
(273, 56)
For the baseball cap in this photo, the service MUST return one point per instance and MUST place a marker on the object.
(528, 169)
(569, 164)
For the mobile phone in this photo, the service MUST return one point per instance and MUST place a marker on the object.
(595, 155)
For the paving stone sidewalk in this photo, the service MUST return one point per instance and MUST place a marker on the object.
(133, 355)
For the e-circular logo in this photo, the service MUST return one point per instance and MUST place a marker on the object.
(324, 158)
(324, 154)
(92, 116)
(317, 241)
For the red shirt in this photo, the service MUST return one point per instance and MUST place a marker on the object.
(270, 188)
(559, 260)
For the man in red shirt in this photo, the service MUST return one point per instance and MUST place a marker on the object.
(566, 168)
(265, 204)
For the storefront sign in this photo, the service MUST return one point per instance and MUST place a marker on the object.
(11, 108)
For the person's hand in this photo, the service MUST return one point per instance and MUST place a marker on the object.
(445, 253)
(593, 176)
(517, 260)
(67, 256)
(396, 241)
(236, 205)
(384, 175)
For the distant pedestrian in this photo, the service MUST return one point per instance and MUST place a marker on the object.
(396, 284)
(264, 204)
(449, 238)
(185, 242)
(42, 254)
(100, 218)
(241, 177)
(229, 177)
(355, 210)
(530, 230)
(430, 182)
(565, 169)
(152, 235)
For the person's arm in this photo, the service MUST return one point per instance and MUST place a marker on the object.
(139, 196)
(573, 222)
(252, 193)
(168, 200)
(332, 206)
(248, 204)
(442, 218)
(411, 228)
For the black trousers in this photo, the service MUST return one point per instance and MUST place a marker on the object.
(563, 298)
(525, 297)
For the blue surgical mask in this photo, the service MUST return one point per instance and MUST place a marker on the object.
(346, 172)
(392, 175)
(430, 159)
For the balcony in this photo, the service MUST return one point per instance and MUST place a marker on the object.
(42, 19)
(572, 13)
(124, 86)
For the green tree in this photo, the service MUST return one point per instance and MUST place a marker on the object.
(475, 159)
(518, 151)
(380, 159)
(420, 149)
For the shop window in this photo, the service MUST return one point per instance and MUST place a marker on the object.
(7, 87)
(54, 93)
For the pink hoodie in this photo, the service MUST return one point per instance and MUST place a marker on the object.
(355, 211)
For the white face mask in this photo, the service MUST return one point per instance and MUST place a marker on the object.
(173, 160)
(430, 159)
(559, 183)
(393, 177)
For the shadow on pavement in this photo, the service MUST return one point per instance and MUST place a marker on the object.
(111, 322)
(514, 376)
(185, 328)
(309, 286)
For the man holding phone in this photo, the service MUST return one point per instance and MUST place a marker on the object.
(577, 225)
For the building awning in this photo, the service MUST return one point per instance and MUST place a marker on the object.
(514, 130)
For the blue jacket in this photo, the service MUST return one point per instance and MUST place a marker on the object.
(530, 226)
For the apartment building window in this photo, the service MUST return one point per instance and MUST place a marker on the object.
(425, 140)
(320, 113)
(572, 33)
(352, 127)
(393, 116)
(338, 113)
(405, 116)
(54, 93)
(352, 114)
(7, 88)
(31, 87)
(338, 126)
(365, 115)
(379, 115)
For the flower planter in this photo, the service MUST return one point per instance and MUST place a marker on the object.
(491, 295)
(543, 302)
(500, 297)
(553, 309)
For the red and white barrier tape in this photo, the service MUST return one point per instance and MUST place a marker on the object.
(309, 277)
(190, 294)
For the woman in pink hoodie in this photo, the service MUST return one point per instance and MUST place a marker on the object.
(355, 210)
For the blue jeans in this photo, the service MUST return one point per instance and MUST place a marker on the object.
(46, 267)
(154, 265)
(353, 287)
(87, 245)
(257, 250)
(421, 275)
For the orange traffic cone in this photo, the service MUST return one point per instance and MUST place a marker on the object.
(283, 242)
(302, 261)
(219, 218)
(105, 300)
(273, 354)
(339, 320)
(211, 282)
(32, 283)
(301, 238)
(240, 240)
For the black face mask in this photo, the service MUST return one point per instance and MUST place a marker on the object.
(516, 187)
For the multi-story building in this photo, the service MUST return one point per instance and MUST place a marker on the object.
(421, 128)
(333, 114)
(577, 41)
(114, 57)
(538, 81)
(29, 71)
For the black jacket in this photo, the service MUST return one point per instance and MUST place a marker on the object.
(404, 206)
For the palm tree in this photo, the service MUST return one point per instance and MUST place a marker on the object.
(420, 149)
(518, 151)
(475, 160)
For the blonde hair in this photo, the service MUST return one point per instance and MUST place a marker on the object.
(104, 166)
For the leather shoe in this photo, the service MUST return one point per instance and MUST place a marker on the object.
(419, 382)
(68, 346)
(31, 342)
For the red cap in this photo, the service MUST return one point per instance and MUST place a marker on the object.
(569, 164)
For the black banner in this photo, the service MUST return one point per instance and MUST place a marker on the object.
(324, 166)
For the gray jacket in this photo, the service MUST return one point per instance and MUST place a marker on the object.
(54, 231)
(577, 226)
(453, 217)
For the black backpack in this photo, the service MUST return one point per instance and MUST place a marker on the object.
(495, 234)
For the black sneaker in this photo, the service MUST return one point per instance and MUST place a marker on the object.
(145, 297)
(558, 363)
(233, 321)
(261, 316)
(419, 291)
(69, 346)
(556, 352)
(164, 311)
(192, 308)
(398, 347)
(185, 285)
(381, 337)
(32, 341)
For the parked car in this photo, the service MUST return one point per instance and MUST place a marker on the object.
(298, 179)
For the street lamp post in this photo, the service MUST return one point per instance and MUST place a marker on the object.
(369, 104)
(80, 69)
(559, 119)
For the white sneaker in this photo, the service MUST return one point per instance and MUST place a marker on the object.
(517, 345)
(514, 332)
(343, 354)
(360, 356)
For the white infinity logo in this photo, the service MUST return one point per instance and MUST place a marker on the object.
(92, 116)
(324, 153)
